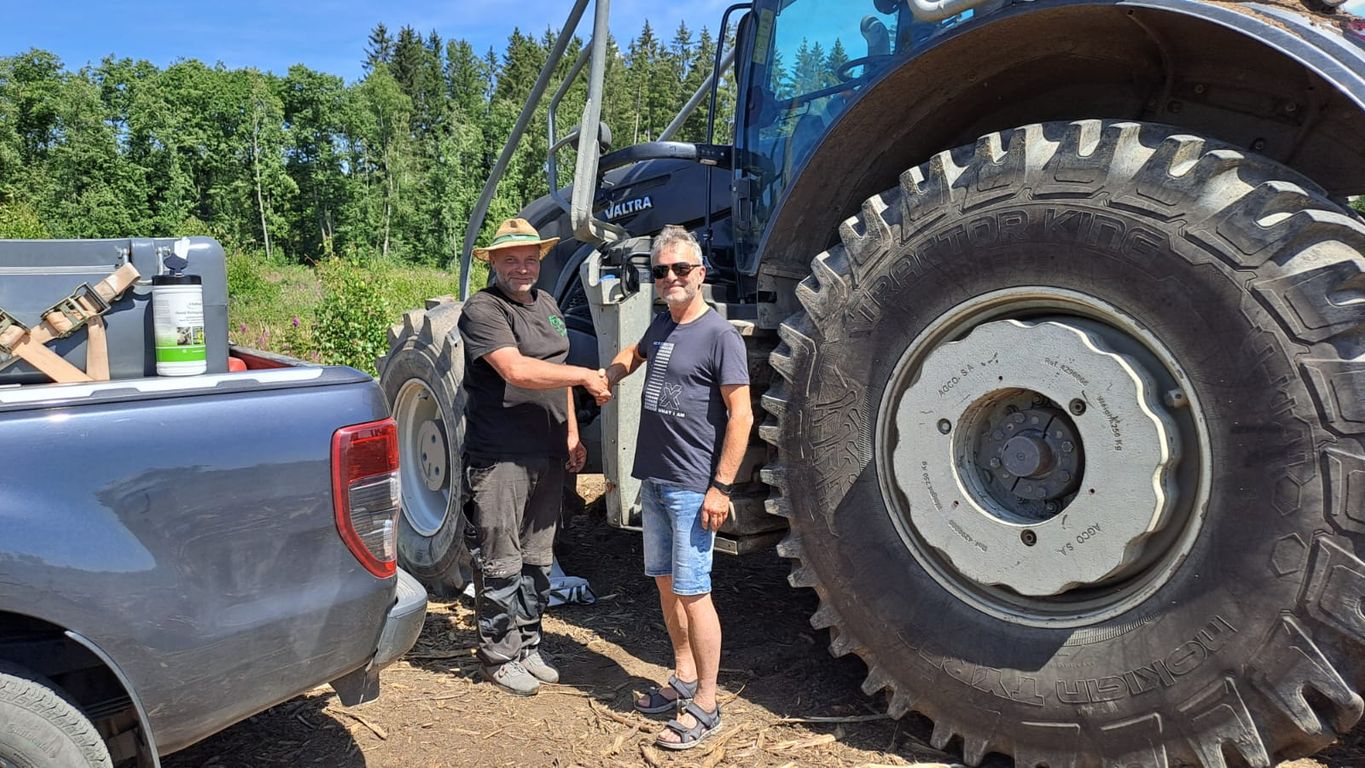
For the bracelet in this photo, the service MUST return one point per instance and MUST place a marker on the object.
(724, 488)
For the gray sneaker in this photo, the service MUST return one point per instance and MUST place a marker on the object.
(512, 677)
(539, 667)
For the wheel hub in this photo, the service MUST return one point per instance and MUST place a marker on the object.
(431, 443)
(423, 457)
(1033, 457)
(1028, 460)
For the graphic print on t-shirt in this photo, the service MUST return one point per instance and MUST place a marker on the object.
(661, 396)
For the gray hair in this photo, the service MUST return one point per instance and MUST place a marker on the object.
(674, 236)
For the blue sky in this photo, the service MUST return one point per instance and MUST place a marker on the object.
(326, 35)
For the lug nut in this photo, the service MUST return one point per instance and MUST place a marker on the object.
(1051, 506)
(994, 462)
(1067, 447)
(1077, 407)
(1029, 538)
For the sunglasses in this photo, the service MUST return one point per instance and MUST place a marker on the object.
(680, 268)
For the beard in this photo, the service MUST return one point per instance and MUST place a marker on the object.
(680, 296)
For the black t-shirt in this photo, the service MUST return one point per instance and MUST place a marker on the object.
(683, 414)
(503, 421)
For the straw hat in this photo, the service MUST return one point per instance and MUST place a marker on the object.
(514, 232)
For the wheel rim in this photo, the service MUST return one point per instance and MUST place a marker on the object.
(1043, 457)
(424, 457)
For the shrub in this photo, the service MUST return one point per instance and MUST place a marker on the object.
(351, 323)
(20, 221)
(247, 281)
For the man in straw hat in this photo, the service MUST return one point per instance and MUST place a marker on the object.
(521, 436)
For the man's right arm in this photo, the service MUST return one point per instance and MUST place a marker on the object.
(624, 364)
(531, 373)
(488, 335)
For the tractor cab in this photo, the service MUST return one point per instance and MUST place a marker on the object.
(803, 63)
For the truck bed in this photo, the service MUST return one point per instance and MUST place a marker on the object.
(185, 527)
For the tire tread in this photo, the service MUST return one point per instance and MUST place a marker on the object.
(1309, 264)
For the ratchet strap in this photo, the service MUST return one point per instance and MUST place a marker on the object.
(17, 341)
(85, 307)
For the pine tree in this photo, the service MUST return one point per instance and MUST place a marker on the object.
(704, 60)
(380, 47)
(836, 59)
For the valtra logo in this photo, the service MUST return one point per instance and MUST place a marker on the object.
(626, 207)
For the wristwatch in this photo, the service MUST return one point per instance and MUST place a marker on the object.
(725, 488)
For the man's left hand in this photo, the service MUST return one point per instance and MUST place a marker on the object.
(715, 508)
(578, 454)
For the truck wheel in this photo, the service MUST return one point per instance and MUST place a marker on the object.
(1070, 437)
(42, 728)
(421, 377)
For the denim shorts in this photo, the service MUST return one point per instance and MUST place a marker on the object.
(675, 543)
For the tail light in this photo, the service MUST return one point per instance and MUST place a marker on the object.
(365, 492)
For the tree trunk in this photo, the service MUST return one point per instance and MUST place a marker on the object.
(260, 196)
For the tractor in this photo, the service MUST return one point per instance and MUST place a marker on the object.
(1056, 314)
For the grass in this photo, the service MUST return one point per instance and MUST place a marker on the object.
(275, 307)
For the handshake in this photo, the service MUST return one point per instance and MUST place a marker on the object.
(597, 384)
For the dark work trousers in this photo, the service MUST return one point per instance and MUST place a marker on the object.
(514, 507)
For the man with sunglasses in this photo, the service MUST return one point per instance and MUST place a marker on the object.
(521, 436)
(694, 428)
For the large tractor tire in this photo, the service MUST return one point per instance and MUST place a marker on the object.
(41, 728)
(1070, 444)
(421, 377)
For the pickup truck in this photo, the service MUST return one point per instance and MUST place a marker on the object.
(178, 554)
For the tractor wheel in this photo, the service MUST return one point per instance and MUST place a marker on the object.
(421, 377)
(1070, 444)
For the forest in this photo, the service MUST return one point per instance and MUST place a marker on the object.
(299, 167)
(340, 205)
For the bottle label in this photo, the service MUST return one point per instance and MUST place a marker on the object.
(179, 321)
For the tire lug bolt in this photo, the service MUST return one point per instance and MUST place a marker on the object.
(1051, 506)
(995, 463)
(1067, 447)
(1064, 476)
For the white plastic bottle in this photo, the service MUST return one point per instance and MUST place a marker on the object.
(178, 320)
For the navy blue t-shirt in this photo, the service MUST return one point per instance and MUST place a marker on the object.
(683, 415)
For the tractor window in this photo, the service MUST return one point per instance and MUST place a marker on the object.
(808, 60)
(822, 52)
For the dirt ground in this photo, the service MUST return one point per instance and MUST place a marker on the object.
(786, 701)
